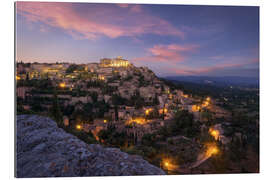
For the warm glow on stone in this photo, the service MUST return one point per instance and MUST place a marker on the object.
(185, 96)
(101, 78)
(62, 85)
(147, 111)
(205, 104)
(161, 111)
(138, 120)
(196, 108)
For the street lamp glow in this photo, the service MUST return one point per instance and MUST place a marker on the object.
(18, 77)
(147, 111)
(62, 85)
(211, 150)
(78, 126)
(163, 111)
(168, 164)
(214, 133)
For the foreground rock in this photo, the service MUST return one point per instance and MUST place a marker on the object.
(44, 150)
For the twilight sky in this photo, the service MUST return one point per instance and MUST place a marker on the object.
(169, 39)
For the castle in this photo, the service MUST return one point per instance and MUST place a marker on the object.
(116, 62)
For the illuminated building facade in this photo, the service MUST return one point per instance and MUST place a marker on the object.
(117, 62)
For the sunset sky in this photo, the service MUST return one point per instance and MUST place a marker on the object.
(169, 39)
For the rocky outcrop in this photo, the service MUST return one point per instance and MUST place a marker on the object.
(44, 150)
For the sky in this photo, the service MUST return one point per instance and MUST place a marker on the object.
(171, 40)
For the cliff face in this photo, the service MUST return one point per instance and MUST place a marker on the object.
(44, 150)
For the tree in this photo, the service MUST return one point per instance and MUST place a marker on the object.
(87, 137)
(137, 100)
(155, 100)
(116, 112)
(207, 115)
(27, 77)
(68, 110)
(102, 107)
(55, 110)
(72, 68)
(112, 137)
(183, 123)
(94, 96)
(36, 106)
(118, 100)
(87, 112)
(148, 139)
(83, 115)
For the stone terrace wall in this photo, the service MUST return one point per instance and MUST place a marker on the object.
(44, 150)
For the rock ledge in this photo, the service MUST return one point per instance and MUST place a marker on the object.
(44, 150)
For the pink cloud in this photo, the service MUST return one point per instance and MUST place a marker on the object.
(255, 60)
(168, 53)
(132, 7)
(136, 8)
(202, 70)
(198, 71)
(216, 67)
(100, 20)
(122, 5)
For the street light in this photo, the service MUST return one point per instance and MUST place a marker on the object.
(214, 133)
(211, 150)
(168, 164)
(62, 85)
(78, 126)
(18, 77)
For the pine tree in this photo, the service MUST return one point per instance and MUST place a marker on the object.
(116, 112)
(27, 76)
(155, 100)
(55, 110)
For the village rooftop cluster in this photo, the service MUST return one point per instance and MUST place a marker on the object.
(123, 80)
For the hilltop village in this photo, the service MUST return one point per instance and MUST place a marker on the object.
(118, 104)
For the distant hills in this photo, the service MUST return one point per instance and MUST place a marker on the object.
(217, 81)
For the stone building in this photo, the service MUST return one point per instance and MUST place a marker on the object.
(22, 91)
(116, 62)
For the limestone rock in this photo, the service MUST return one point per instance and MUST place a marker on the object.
(44, 150)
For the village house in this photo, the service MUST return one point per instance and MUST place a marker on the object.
(83, 99)
(22, 91)
(91, 67)
(65, 121)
